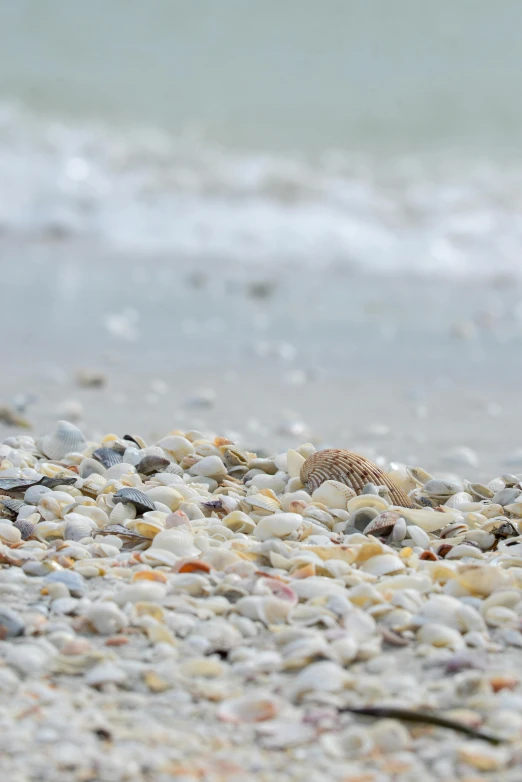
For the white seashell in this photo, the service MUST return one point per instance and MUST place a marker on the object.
(383, 564)
(178, 541)
(278, 525)
(237, 521)
(439, 487)
(89, 466)
(460, 501)
(117, 471)
(65, 439)
(106, 673)
(8, 533)
(464, 550)
(399, 530)
(264, 481)
(46, 530)
(121, 513)
(34, 494)
(94, 484)
(270, 610)
(294, 462)
(177, 446)
(374, 501)
(333, 494)
(253, 707)
(106, 617)
(324, 676)
(345, 649)
(390, 736)
(165, 495)
(53, 504)
(158, 556)
(427, 519)
(141, 591)
(210, 467)
(78, 527)
(419, 537)
(438, 635)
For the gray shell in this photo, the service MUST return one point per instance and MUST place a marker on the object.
(135, 497)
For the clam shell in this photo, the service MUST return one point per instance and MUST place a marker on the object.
(66, 438)
(383, 524)
(351, 469)
(333, 494)
(108, 457)
(135, 497)
(151, 464)
(176, 446)
(90, 466)
(78, 527)
(439, 487)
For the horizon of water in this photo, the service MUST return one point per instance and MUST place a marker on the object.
(382, 138)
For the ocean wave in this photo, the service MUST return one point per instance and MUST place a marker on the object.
(143, 191)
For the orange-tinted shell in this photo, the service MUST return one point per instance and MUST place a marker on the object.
(335, 464)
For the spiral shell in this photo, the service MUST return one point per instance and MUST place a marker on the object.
(355, 471)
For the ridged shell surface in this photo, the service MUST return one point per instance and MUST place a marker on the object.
(107, 456)
(66, 438)
(335, 464)
(136, 497)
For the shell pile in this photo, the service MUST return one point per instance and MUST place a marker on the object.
(189, 610)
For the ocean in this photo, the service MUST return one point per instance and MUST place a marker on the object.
(378, 136)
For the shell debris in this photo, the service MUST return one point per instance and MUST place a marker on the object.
(196, 610)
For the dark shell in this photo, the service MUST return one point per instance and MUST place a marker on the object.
(107, 456)
(151, 464)
(9, 485)
(26, 528)
(11, 506)
(335, 464)
(64, 480)
(138, 441)
(119, 529)
(135, 497)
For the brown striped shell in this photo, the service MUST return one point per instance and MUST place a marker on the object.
(335, 464)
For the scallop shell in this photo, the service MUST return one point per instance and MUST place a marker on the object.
(135, 497)
(108, 457)
(351, 469)
(65, 439)
(383, 524)
(10, 506)
(25, 527)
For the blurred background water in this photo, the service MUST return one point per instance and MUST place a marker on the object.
(381, 135)
(312, 211)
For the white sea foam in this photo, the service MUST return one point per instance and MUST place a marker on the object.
(145, 191)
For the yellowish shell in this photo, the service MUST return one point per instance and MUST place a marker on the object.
(351, 469)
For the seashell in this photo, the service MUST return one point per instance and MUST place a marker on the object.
(108, 457)
(453, 530)
(514, 508)
(383, 524)
(430, 520)
(90, 466)
(506, 496)
(264, 481)
(419, 476)
(166, 495)
(12, 485)
(261, 502)
(106, 618)
(122, 512)
(237, 521)
(176, 446)
(253, 707)
(9, 533)
(158, 556)
(399, 530)
(26, 527)
(94, 484)
(178, 541)
(480, 492)
(460, 501)
(118, 471)
(333, 494)
(351, 469)
(151, 464)
(149, 525)
(266, 465)
(78, 527)
(135, 497)
(294, 463)
(136, 439)
(368, 501)
(320, 677)
(438, 635)
(53, 504)
(209, 467)
(418, 536)
(74, 582)
(278, 525)
(11, 624)
(47, 530)
(33, 494)
(361, 518)
(462, 550)
(483, 580)
(10, 506)
(439, 487)
(66, 438)
(383, 565)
